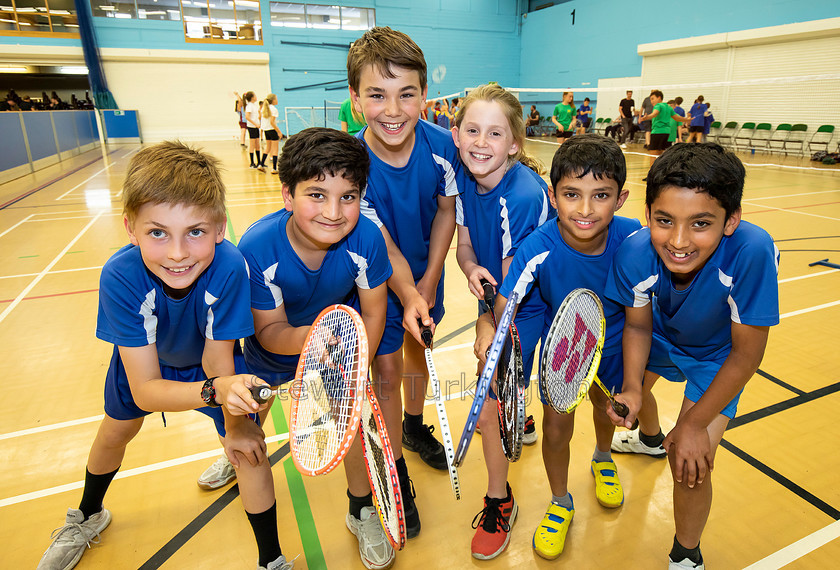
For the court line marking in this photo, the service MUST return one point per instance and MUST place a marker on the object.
(57, 271)
(789, 279)
(798, 549)
(809, 309)
(51, 427)
(47, 269)
(773, 208)
(85, 181)
(794, 195)
(17, 224)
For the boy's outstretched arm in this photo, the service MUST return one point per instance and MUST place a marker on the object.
(276, 334)
(440, 238)
(402, 283)
(690, 438)
(635, 343)
(232, 390)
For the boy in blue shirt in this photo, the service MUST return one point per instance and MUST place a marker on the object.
(317, 252)
(174, 303)
(575, 250)
(413, 181)
(700, 290)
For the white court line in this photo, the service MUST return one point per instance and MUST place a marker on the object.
(789, 210)
(57, 271)
(17, 224)
(789, 279)
(46, 270)
(796, 195)
(85, 181)
(41, 429)
(798, 549)
(453, 347)
(809, 309)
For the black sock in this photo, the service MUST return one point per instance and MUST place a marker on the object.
(263, 159)
(680, 553)
(356, 503)
(258, 156)
(265, 531)
(652, 440)
(95, 488)
(274, 161)
(251, 154)
(412, 423)
(402, 469)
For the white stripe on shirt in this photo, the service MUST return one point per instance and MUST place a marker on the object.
(149, 318)
(362, 264)
(268, 276)
(527, 275)
(370, 213)
(209, 300)
(640, 297)
(726, 280)
(451, 186)
(506, 241)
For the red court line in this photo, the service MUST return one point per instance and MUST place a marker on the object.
(52, 295)
(53, 181)
(791, 207)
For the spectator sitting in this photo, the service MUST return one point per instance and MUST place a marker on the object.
(26, 103)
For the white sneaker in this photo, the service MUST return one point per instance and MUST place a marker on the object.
(217, 475)
(71, 540)
(623, 145)
(629, 442)
(280, 564)
(685, 564)
(374, 549)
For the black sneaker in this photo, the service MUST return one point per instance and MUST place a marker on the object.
(423, 442)
(412, 517)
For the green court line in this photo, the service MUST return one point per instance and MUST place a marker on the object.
(231, 234)
(300, 502)
(27, 256)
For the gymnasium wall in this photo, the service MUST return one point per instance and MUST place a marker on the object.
(604, 40)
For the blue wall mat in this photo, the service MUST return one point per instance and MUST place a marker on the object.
(84, 130)
(119, 126)
(39, 131)
(12, 146)
(65, 129)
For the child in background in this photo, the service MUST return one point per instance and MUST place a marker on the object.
(503, 202)
(698, 121)
(700, 290)
(252, 117)
(587, 176)
(174, 303)
(414, 178)
(661, 117)
(564, 116)
(240, 110)
(584, 116)
(708, 119)
(351, 120)
(268, 124)
(315, 253)
(681, 112)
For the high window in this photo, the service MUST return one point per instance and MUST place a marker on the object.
(38, 17)
(321, 16)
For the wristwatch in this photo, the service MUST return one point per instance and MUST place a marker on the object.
(208, 393)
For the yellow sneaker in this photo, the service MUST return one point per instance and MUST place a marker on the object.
(550, 536)
(608, 489)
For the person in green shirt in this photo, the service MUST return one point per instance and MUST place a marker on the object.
(672, 136)
(660, 118)
(351, 121)
(564, 117)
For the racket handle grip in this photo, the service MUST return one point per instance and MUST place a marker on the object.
(488, 292)
(620, 409)
(425, 334)
(261, 393)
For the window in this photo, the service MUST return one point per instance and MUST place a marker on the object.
(222, 20)
(321, 16)
(137, 9)
(37, 17)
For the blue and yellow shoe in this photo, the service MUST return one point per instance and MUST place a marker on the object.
(608, 489)
(550, 536)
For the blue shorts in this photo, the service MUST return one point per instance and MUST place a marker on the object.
(529, 328)
(644, 126)
(610, 372)
(673, 364)
(392, 336)
(120, 405)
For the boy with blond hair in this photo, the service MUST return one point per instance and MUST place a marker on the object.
(174, 304)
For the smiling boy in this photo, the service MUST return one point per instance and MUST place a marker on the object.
(174, 304)
(587, 175)
(413, 181)
(317, 252)
(700, 290)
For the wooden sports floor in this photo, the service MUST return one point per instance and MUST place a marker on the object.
(777, 475)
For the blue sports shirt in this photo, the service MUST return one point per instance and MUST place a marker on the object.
(737, 284)
(404, 199)
(134, 310)
(547, 262)
(279, 277)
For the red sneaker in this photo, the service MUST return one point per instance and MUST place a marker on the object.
(493, 525)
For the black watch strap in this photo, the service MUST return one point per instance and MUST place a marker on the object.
(208, 393)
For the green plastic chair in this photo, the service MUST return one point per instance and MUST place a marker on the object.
(821, 138)
(761, 135)
(744, 135)
(796, 138)
(727, 133)
(779, 137)
(714, 131)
